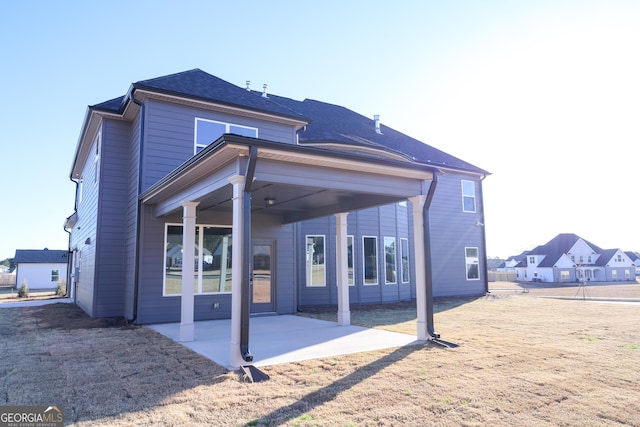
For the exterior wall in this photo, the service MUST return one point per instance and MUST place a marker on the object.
(38, 276)
(453, 230)
(112, 219)
(85, 231)
(153, 307)
(169, 136)
(385, 221)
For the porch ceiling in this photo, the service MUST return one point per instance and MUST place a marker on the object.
(291, 183)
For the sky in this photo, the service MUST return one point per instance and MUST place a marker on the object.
(543, 94)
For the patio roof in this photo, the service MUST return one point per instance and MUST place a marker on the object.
(291, 182)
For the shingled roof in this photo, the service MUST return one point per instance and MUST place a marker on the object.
(327, 123)
(44, 256)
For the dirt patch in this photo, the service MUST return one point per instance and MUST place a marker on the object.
(520, 360)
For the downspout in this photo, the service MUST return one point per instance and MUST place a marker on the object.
(484, 238)
(427, 262)
(69, 252)
(247, 263)
(136, 265)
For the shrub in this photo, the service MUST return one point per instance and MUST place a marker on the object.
(23, 292)
(61, 289)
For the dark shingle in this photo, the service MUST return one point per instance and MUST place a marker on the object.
(198, 84)
(30, 256)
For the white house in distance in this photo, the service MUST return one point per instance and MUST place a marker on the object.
(570, 258)
(40, 269)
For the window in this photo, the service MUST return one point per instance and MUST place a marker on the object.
(614, 274)
(532, 260)
(564, 275)
(55, 275)
(207, 131)
(96, 159)
(350, 260)
(468, 196)
(619, 258)
(316, 270)
(627, 274)
(404, 255)
(370, 255)
(390, 276)
(212, 267)
(472, 263)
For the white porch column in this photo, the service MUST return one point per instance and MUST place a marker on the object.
(237, 230)
(188, 270)
(421, 280)
(342, 263)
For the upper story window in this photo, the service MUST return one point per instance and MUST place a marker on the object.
(468, 196)
(207, 131)
(532, 260)
(96, 159)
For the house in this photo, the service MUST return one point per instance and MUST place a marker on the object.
(199, 199)
(635, 258)
(509, 265)
(570, 258)
(41, 269)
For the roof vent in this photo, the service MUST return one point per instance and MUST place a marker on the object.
(249, 85)
(376, 119)
(264, 90)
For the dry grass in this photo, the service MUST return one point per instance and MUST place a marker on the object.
(521, 360)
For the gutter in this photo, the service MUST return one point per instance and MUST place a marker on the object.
(484, 239)
(69, 251)
(247, 263)
(136, 265)
(428, 264)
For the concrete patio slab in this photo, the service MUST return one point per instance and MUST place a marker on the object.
(285, 339)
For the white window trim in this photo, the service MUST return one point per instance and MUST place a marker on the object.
(395, 259)
(96, 158)
(364, 262)
(402, 278)
(227, 130)
(466, 262)
(324, 261)
(475, 201)
(199, 259)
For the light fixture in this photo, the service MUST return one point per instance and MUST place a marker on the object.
(269, 201)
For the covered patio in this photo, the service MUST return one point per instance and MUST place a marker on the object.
(286, 339)
(240, 177)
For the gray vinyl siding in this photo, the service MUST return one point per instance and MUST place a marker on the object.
(130, 225)
(169, 136)
(85, 231)
(451, 231)
(112, 219)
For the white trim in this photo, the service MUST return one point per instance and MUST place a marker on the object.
(364, 262)
(227, 126)
(402, 278)
(200, 230)
(475, 198)
(309, 262)
(469, 261)
(395, 259)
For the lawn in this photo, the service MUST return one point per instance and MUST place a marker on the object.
(521, 360)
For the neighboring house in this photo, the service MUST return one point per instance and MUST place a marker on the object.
(570, 258)
(509, 265)
(199, 199)
(41, 269)
(635, 258)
